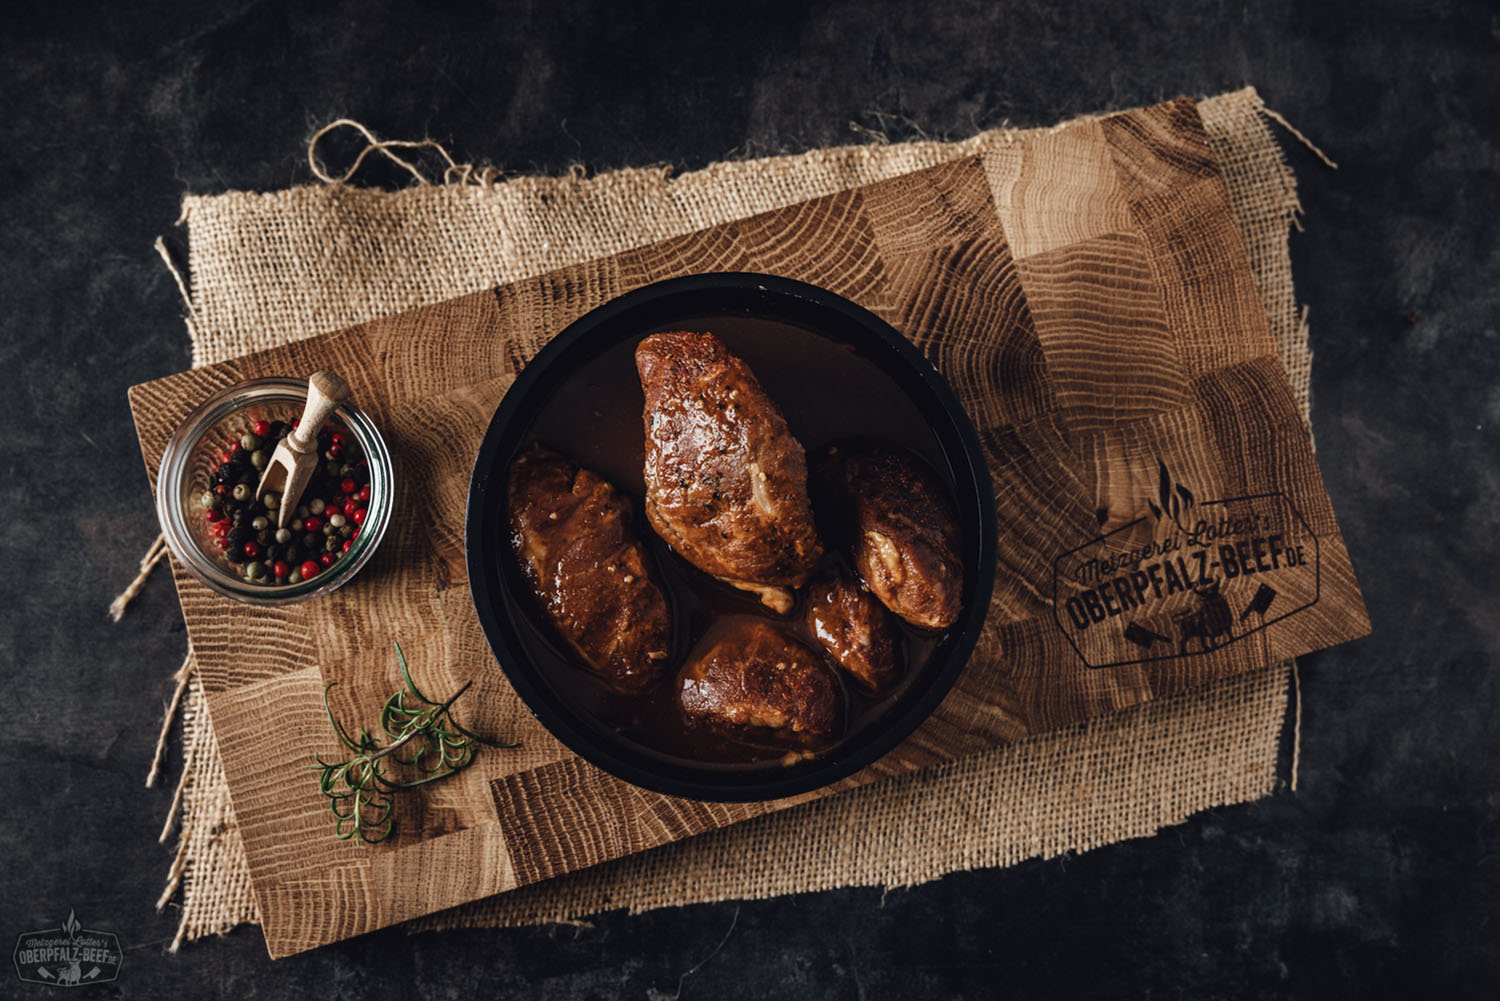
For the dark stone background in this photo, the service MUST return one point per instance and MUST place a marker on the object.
(1380, 877)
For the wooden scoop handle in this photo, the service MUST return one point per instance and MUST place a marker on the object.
(325, 390)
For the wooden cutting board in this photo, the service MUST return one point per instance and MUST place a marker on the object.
(1162, 521)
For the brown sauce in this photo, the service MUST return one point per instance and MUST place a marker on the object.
(827, 392)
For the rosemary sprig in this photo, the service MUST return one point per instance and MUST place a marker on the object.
(361, 793)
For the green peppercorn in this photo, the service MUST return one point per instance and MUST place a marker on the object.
(347, 531)
(209, 500)
(316, 505)
(296, 524)
(249, 441)
(271, 501)
(242, 491)
(258, 458)
(283, 535)
(294, 576)
(331, 544)
(260, 524)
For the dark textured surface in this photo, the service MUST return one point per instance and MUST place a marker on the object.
(1380, 877)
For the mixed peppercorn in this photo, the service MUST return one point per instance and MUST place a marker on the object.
(323, 528)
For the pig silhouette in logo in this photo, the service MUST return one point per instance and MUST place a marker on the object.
(1209, 621)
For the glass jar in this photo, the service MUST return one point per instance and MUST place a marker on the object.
(194, 452)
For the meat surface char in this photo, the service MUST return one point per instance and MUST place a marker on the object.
(905, 540)
(726, 482)
(571, 534)
(852, 626)
(753, 674)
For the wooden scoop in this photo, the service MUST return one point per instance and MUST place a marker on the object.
(296, 456)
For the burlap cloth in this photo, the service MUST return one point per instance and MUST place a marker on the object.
(265, 269)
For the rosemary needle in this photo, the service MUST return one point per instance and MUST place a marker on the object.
(361, 793)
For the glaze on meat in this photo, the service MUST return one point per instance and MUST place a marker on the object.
(905, 540)
(726, 482)
(852, 626)
(571, 534)
(753, 674)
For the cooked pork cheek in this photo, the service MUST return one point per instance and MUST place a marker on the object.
(726, 482)
(906, 541)
(570, 531)
(753, 674)
(852, 626)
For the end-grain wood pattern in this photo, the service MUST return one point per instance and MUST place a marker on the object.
(1087, 296)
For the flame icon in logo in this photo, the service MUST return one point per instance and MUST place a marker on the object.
(1173, 503)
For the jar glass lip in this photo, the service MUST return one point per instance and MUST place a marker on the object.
(174, 488)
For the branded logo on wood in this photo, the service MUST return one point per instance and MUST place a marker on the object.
(1192, 577)
(70, 956)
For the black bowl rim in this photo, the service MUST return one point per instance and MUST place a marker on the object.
(483, 556)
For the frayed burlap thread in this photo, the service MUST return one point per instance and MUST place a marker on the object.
(270, 268)
(209, 867)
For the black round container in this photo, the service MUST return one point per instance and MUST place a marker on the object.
(522, 642)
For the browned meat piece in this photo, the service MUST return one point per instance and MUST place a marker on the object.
(906, 542)
(571, 533)
(753, 674)
(726, 483)
(852, 626)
